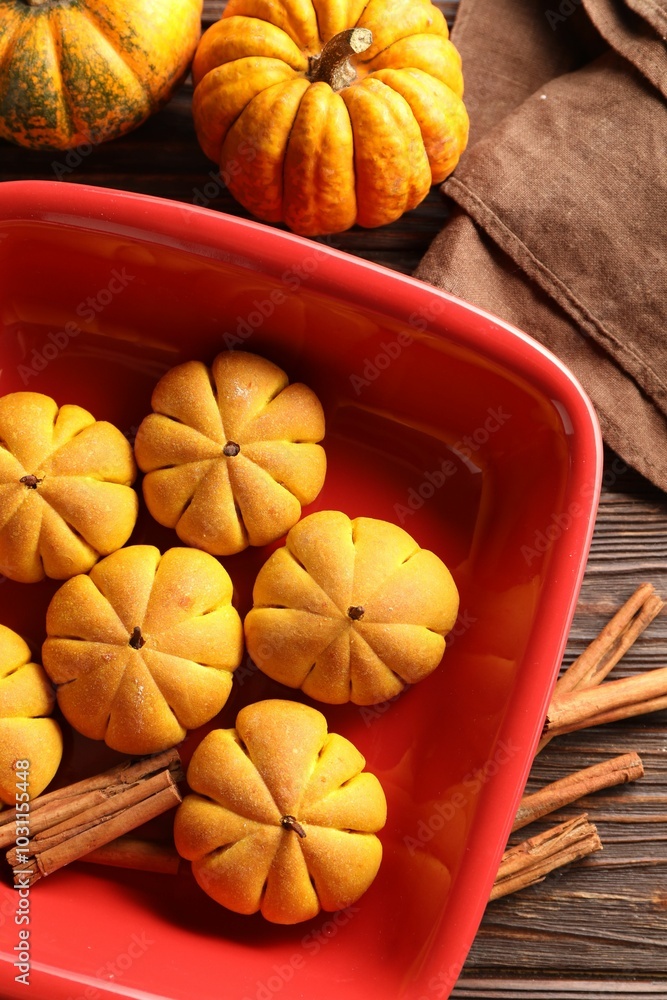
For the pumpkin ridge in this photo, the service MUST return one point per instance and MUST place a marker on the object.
(180, 465)
(189, 499)
(85, 673)
(97, 23)
(283, 165)
(155, 682)
(149, 596)
(47, 689)
(419, 14)
(343, 632)
(366, 643)
(46, 459)
(353, 164)
(70, 527)
(157, 688)
(165, 631)
(324, 649)
(122, 85)
(298, 809)
(14, 512)
(72, 504)
(394, 41)
(362, 13)
(367, 598)
(12, 670)
(215, 464)
(306, 783)
(6, 55)
(243, 747)
(322, 212)
(216, 399)
(261, 467)
(202, 482)
(410, 193)
(233, 121)
(105, 598)
(318, 585)
(252, 416)
(321, 41)
(206, 437)
(235, 490)
(40, 508)
(237, 809)
(282, 15)
(64, 96)
(284, 607)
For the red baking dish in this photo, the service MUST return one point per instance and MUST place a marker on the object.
(439, 417)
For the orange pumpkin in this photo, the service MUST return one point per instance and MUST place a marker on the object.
(143, 648)
(83, 72)
(66, 494)
(323, 113)
(283, 816)
(26, 733)
(350, 610)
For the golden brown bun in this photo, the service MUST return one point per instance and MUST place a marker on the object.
(26, 695)
(82, 506)
(223, 503)
(280, 762)
(143, 700)
(301, 630)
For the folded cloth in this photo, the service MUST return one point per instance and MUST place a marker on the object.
(561, 226)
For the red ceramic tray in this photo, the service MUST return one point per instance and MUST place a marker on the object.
(439, 417)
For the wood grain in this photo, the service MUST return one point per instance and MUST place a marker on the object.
(548, 989)
(598, 929)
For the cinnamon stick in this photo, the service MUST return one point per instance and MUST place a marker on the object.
(61, 853)
(602, 655)
(574, 693)
(140, 855)
(615, 700)
(54, 807)
(566, 790)
(72, 822)
(102, 812)
(530, 861)
(581, 700)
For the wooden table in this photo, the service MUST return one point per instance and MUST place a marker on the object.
(599, 929)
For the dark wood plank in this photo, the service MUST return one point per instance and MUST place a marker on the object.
(549, 989)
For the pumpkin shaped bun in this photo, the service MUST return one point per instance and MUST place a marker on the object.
(143, 648)
(26, 735)
(325, 113)
(350, 610)
(283, 817)
(230, 454)
(80, 73)
(65, 488)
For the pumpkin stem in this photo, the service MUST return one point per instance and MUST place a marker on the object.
(290, 823)
(136, 639)
(333, 65)
(32, 482)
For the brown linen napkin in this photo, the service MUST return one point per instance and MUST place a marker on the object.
(564, 191)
